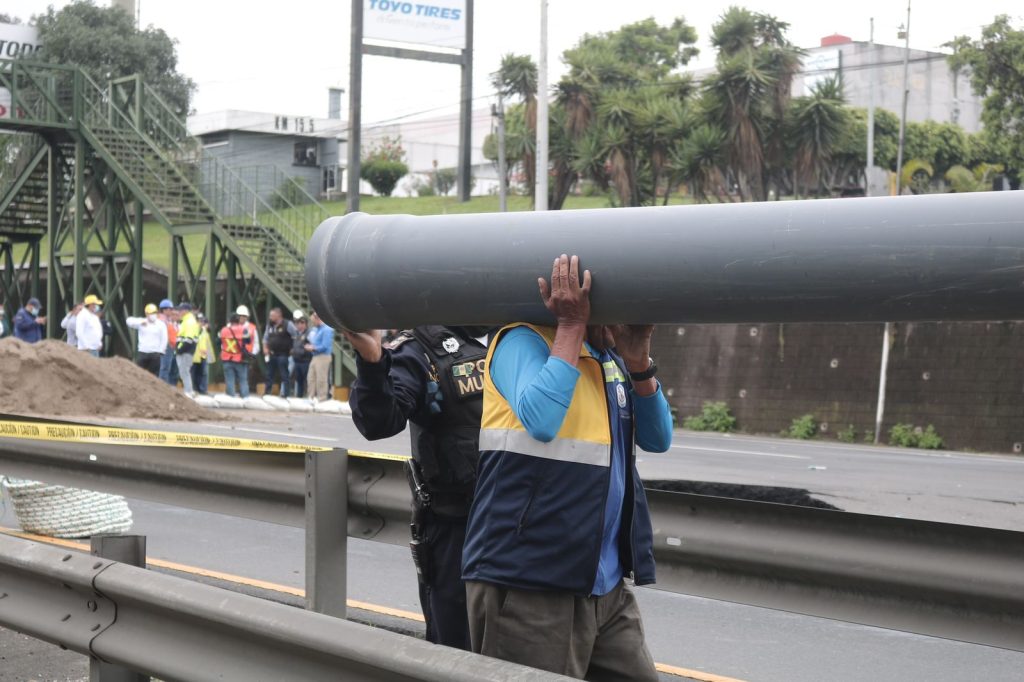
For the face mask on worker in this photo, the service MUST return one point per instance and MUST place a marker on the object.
(151, 317)
(96, 309)
(30, 310)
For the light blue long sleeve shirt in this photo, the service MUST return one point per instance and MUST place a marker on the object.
(321, 338)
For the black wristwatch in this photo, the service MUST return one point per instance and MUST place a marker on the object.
(648, 373)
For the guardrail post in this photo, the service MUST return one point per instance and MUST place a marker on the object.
(126, 549)
(327, 531)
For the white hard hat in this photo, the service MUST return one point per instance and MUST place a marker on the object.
(297, 314)
(242, 310)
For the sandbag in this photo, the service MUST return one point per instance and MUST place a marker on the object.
(300, 404)
(277, 402)
(63, 512)
(256, 403)
(205, 401)
(331, 407)
(228, 401)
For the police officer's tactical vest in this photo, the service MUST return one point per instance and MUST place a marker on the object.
(448, 451)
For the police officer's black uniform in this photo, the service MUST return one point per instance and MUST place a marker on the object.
(432, 377)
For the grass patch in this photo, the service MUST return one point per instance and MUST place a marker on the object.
(156, 241)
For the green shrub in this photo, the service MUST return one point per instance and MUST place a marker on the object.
(903, 435)
(804, 427)
(929, 439)
(383, 174)
(917, 176)
(848, 435)
(423, 188)
(714, 416)
(290, 193)
(961, 179)
(909, 436)
(444, 180)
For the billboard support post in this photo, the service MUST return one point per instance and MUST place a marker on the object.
(438, 37)
(355, 104)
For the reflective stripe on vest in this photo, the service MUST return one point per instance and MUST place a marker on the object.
(585, 434)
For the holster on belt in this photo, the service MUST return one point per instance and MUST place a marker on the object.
(421, 500)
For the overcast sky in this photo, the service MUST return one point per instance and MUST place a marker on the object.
(281, 56)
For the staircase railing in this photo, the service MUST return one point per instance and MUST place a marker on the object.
(295, 211)
(37, 93)
(100, 114)
(289, 197)
(17, 150)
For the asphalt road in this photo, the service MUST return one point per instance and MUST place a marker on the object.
(720, 638)
(737, 641)
(971, 489)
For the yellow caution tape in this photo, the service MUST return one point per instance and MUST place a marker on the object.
(79, 433)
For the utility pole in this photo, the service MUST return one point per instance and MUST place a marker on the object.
(465, 165)
(882, 375)
(871, 111)
(499, 114)
(355, 97)
(540, 194)
(906, 95)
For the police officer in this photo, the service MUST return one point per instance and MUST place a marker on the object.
(432, 378)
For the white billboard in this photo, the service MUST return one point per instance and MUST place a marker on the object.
(438, 23)
(18, 40)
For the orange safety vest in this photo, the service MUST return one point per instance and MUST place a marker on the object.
(233, 339)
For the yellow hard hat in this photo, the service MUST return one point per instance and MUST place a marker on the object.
(151, 308)
(92, 299)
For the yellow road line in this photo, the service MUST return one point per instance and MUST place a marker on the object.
(694, 674)
(299, 592)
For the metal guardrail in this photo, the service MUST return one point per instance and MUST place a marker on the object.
(939, 579)
(177, 629)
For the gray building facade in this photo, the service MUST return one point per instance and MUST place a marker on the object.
(936, 92)
(266, 150)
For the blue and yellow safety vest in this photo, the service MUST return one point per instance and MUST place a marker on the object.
(537, 517)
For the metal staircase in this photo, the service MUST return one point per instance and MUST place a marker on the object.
(146, 145)
(23, 186)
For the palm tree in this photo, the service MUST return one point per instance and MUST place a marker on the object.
(517, 77)
(735, 96)
(749, 94)
(816, 127)
(698, 160)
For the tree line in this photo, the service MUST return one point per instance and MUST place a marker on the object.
(625, 120)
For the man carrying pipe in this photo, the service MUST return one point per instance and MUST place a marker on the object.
(560, 517)
(431, 378)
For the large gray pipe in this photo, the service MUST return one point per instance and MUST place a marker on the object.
(939, 257)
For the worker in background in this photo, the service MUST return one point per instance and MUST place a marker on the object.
(300, 357)
(29, 325)
(297, 315)
(185, 348)
(152, 343)
(321, 343)
(430, 378)
(277, 344)
(236, 344)
(244, 320)
(68, 324)
(205, 356)
(168, 367)
(88, 327)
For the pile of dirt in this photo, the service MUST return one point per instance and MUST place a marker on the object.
(51, 378)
